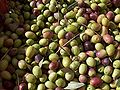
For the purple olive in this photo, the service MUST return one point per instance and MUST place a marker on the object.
(69, 35)
(23, 86)
(82, 78)
(53, 65)
(38, 58)
(105, 61)
(116, 3)
(93, 16)
(110, 15)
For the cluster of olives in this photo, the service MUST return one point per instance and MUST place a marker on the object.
(46, 44)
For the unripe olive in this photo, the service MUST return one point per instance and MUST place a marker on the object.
(31, 86)
(110, 49)
(69, 76)
(41, 87)
(30, 51)
(22, 64)
(37, 71)
(53, 57)
(43, 78)
(52, 76)
(60, 82)
(106, 78)
(30, 78)
(108, 70)
(43, 42)
(116, 74)
(75, 50)
(50, 85)
(66, 61)
(91, 62)
(83, 69)
(3, 64)
(74, 65)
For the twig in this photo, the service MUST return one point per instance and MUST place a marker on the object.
(64, 50)
(68, 41)
(5, 54)
(18, 82)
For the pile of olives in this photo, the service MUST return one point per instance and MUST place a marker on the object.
(47, 44)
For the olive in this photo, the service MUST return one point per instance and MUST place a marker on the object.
(22, 64)
(66, 61)
(52, 76)
(30, 51)
(91, 72)
(91, 62)
(30, 78)
(41, 87)
(31, 86)
(53, 57)
(83, 78)
(37, 71)
(82, 68)
(3, 64)
(69, 76)
(23, 86)
(5, 75)
(43, 78)
(108, 70)
(50, 85)
(88, 46)
(60, 82)
(53, 65)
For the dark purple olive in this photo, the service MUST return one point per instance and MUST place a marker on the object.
(105, 61)
(9, 85)
(23, 86)
(69, 35)
(53, 65)
(88, 46)
(38, 58)
(93, 16)
(13, 52)
(116, 3)
(82, 78)
(36, 12)
(59, 88)
(11, 68)
(110, 15)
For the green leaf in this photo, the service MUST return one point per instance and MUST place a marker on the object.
(74, 85)
(41, 62)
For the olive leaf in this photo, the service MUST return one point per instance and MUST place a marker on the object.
(74, 85)
(70, 7)
(66, 70)
(41, 62)
(118, 82)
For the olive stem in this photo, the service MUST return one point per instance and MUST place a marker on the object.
(64, 50)
(69, 41)
(5, 54)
